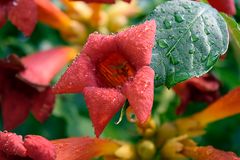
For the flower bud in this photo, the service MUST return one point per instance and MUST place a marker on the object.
(148, 129)
(127, 151)
(146, 149)
(165, 132)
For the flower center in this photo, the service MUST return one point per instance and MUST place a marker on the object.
(115, 70)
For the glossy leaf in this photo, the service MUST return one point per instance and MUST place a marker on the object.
(190, 38)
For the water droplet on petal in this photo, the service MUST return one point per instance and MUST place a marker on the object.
(119, 87)
(162, 43)
(131, 117)
(15, 3)
(130, 78)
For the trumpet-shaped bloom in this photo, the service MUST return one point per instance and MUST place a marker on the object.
(226, 6)
(224, 107)
(25, 85)
(84, 148)
(101, 1)
(209, 153)
(182, 147)
(110, 69)
(32, 147)
(203, 89)
(22, 13)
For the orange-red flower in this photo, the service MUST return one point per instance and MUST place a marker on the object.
(84, 148)
(32, 147)
(22, 13)
(224, 107)
(110, 69)
(182, 147)
(101, 1)
(203, 89)
(24, 85)
(208, 153)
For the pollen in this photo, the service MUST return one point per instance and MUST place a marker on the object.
(115, 70)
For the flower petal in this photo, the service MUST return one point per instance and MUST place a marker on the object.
(83, 148)
(101, 1)
(140, 93)
(78, 75)
(208, 153)
(225, 106)
(39, 148)
(97, 1)
(103, 104)
(204, 88)
(98, 47)
(3, 156)
(43, 105)
(3, 15)
(51, 15)
(227, 6)
(15, 105)
(12, 144)
(137, 42)
(23, 14)
(52, 60)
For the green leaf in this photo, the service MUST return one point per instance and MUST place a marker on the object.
(233, 29)
(189, 40)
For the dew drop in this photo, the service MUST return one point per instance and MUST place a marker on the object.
(194, 38)
(173, 60)
(186, 6)
(167, 24)
(181, 31)
(178, 17)
(15, 3)
(162, 10)
(131, 117)
(130, 78)
(204, 58)
(119, 87)
(206, 31)
(162, 43)
(171, 36)
(192, 50)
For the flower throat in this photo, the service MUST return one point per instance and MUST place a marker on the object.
(115, 70)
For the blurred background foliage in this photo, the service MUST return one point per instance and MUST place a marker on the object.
(70, 116)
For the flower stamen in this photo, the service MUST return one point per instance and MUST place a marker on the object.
(115, 70)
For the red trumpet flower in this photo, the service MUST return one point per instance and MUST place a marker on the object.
(33, 147)
(110, 69)
(24, 85)
(22, 13)
(101, 1)
(205, 89)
